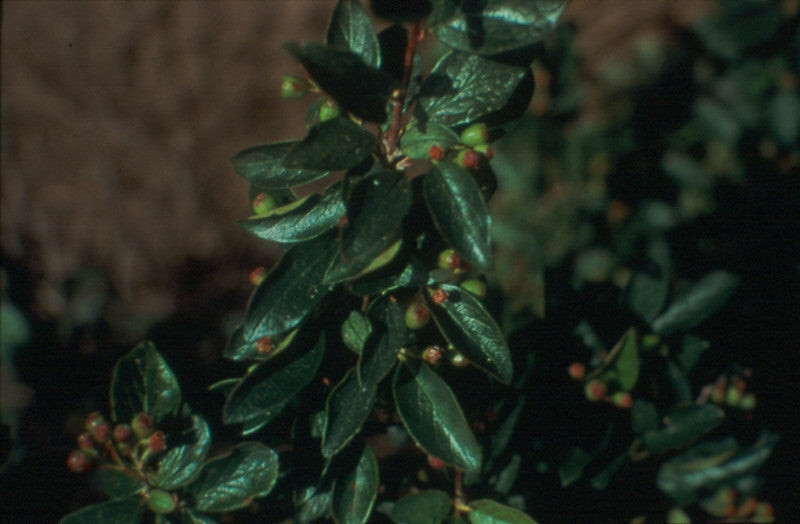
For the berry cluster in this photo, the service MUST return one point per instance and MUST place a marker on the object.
(472, 151)
(596, 389)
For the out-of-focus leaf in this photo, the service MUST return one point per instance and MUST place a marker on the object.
(698, 303)
(784, 117)
(487, 511)
(185, 454)
(603, 478)
(682, 425)
(692, 348)
(350, 28)
(627, 361)
(354, 493)
(426, 507)
(119, 511)
(644, 416)
(117, 484)
(572, 467)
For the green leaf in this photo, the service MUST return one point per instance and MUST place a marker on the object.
(380, 352)
(185, 454)
(143, 382)
(253, 425)
(268, 387)
(627, 361)
(426, 507)
(574, 463)
(312, 504)
(692, 348)
(189, 516)
(416, 142)
(405, 271)
(502, 435)
(239, 348)
(603, 478)
(463, 88)
(312, 217)
(263, 166)
(459, 211)
(354, 492)
(291, 290)
(698, 303)
(355, 331)
(683, 425)
(433, 417)
(118, 484)
(357, 86)
(118, 511)
(350, 28)
(487, 511)
(646, 295)
(347, 407)
(375, 210)
(644, 416)
(499, 26)
(230, 482)
(465, 324)
(332, 145)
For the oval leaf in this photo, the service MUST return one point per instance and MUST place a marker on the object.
(272, 383)
(355, 492)
(232, 481)
(143, 382)
(347, 407)
(416, 142)
(350, 28)
(355, 331)
(185, 454)
(683, 425)
(335, 144)
(292, 289)
(456, 203)
(433, 417)
(698, 303)
(117, 484)
(119, 511)
(263, 166)
(426, 507)
(487, 511)
(381, 350)
(465, 324)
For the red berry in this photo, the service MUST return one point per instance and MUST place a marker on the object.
(79, 461)
(435, 463)
(432, 354)
(122, 433)
(102, 432)
(264, 345)
(93, 420)
(258, 275)
(622, 399)
(468, 158)
(577, 370)
(439, 296)
(595, 390)
(142, 425)
(157, 442)
(436, 152)
(416, 316)
(448, 259)
(85, 441)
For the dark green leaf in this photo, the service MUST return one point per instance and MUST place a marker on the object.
(185, 453)
(405, 11)
(507, 477)
(646, 295)
(465, 324)
(603, 478)
(358, 87)
(313, 504)
(644, 416)
(502, 436)
(487, 511)
(230, 482)
(143, 382)
(463, 88)
(239, 348)
(416, 142)
(346, 409)
(406, 271)
(692, 348)
(263, 166)
(335, 144)
(784, 117)
(118, 484)
(380, 352)
(311, 218)
(355, 331)
(224, 386)
(190, 516)
(253, 425)
(683, 425)
(459, 211)
(375, 209)
(574, 463)
(118, 511)
(354, 492)
(627, 361)
(433, 417)
(680, 383)
(350, 28)
(268, 387)
(498, 26)
(426, 507)
(698, 303)
(292, 289)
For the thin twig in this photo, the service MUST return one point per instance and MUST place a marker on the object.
(400, 95)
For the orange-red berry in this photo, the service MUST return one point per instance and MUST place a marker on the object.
(436, 152)
(439, 296)
(432, 354)
(577, 370)
(595, 390)
(157, 442)
(435, 463)
(79, 461)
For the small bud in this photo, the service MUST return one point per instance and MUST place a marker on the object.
(622, 399)
(448, 259)
(85, 441)
(436, 152)
(293, 87)
(432, 354)
(416, 316)
(468, 159)
(435, 463)
(160, 501)
(79, 461)
(459, 360)
(474, 135)
(157, 442)
(475, 286)
(263, 203)
(258, 275)
(142, 425)
(122, 433)
(577, 371)
(328, 111)
(595, 390)
(439, 296)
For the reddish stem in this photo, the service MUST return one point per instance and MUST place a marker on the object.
(400, 96)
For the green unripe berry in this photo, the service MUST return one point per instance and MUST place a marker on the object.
(416, 316)
(474, 135)
(734, 396)
(263, 203)
(448, 259)
(328, 111)
(293, 87)
(160, 501)
(468, 159)
(748, 402)
(475, 286)
(142, 425)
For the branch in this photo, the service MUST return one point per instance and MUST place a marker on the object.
(400, 95)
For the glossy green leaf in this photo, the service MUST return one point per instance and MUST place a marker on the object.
(498, 26)
(375, 210)
(682, 426)
(311, 218)
(350, 28)
(230, 482)
(118, 484)
(355, 330)
(459, 211)
(698, 303)
(462, 88)
(380, 352)
(333, 145)
(487, 511)
(239, 348)
(143, 382)
(417, 140)
(119, 511)
(507, 477)
(334, 70)
(263, 166)
(355, 491)
(291, 290)
(185, 453)
(426, 507)
(347, 407)
(627, 362)
(433, 417)
(405, 271)
(312, 504)
(465, 324)
(255, 424)
(268, 387)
